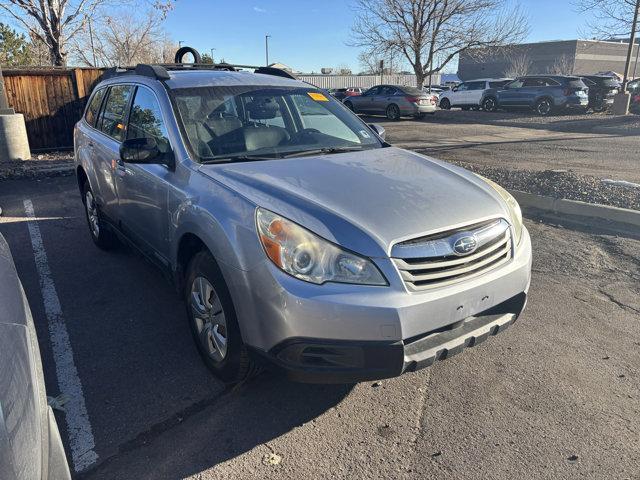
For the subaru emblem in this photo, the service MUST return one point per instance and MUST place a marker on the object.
(465, 245)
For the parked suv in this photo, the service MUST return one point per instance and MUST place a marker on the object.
(469, 94)
(545, 94)
(394, 101)
(295, 235)
(602, 89)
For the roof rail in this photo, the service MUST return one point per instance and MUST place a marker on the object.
(161, 71)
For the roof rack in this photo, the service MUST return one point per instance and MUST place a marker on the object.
(161, 71)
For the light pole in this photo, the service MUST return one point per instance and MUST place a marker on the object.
(632, 41)
(266, 48)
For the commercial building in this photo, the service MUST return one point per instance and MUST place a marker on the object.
(560, 57)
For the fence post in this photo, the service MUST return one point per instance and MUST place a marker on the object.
(79, 81)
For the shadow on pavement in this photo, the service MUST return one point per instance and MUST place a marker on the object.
(220, 429)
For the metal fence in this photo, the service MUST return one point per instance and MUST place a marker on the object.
(364, 81)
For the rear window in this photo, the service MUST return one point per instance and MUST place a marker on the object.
(411, 90)
(576, 83)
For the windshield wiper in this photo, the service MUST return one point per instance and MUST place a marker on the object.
(322, 151)
(239, 158)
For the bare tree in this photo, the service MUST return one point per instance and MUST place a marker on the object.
(55, 22)
(369, 62)
(123, 38)
(609, 18)
(562, 65)
(519, 64)
(428, 34)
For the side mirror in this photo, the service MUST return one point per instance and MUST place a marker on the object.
(378, 130)
(140, 150)
(454, 89)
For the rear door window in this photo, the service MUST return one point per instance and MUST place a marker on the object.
(111, 121)
(94, 107)
(476, 85)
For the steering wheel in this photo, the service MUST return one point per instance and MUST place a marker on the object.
(304, 132)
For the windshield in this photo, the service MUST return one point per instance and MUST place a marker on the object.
(254, 122)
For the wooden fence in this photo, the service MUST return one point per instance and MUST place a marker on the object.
(51, 100)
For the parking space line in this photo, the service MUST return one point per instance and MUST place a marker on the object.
(81, 439)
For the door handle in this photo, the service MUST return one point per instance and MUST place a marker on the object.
(91, 144)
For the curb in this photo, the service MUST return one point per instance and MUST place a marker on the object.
(592, 211)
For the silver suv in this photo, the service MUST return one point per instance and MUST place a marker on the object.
(296, 236)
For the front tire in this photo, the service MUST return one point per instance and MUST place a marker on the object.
(490, 104)
(100, 232)
(393, 112)
(445, 104)
(213, 321)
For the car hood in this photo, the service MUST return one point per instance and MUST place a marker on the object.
(365, 201)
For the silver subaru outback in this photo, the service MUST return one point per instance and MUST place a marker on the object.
(297, 237)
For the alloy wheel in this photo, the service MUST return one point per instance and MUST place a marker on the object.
(92, 214)
(393, 113)
(209, 318)
(544, 107)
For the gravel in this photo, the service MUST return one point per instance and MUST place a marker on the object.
(562, 184)
(50, 164)
(572, 122)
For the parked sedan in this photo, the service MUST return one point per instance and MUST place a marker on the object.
(30, 446)
(394, 101)
(469, 94)
(601, 91)
(544, 94)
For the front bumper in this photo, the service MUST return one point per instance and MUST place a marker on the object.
(317, 361)
(278, 313)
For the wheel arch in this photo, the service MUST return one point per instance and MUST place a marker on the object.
(82, 178)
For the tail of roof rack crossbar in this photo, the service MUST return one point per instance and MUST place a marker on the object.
(161, 71)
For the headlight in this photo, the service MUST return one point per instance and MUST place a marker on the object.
(308, 257)
(514, 209)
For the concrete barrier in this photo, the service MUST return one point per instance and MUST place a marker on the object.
(14, 144)
(595, 212)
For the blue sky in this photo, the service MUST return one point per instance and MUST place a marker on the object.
(308, 35)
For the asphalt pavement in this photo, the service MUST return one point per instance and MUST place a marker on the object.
(589, 144)
(555, 396)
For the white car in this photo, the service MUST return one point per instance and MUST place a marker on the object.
(469, 94)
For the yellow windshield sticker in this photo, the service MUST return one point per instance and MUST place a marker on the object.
(318, 97)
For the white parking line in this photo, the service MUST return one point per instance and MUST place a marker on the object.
(81, 438)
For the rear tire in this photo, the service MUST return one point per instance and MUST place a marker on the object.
(445, 104)
(393, 112)
(101, 234)
(543, 107)
(213, 321)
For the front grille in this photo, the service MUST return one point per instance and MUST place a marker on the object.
(432, 261)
